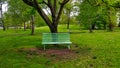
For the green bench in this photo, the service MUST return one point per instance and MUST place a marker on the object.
(56, 38)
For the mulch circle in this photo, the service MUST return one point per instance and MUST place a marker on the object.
(56, 53)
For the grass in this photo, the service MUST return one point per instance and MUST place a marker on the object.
(105, 46)
(100, 49)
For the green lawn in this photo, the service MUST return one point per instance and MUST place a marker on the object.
(100, 49)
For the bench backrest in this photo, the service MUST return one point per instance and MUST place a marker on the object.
(56, 37)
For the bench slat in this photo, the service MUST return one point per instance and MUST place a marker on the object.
(56, 43)
(56, 38)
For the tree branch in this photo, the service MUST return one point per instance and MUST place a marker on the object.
(52, 10)
(55, 6)
(61, 8)
(42, 13)
(45, 2)
(28, 2)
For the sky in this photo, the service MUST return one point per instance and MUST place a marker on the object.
(4, 7)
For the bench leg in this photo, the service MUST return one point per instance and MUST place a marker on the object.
(68, 46)
(44, 47)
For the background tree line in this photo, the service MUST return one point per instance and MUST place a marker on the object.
(90, 14)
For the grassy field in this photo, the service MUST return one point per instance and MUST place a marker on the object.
(100, 49)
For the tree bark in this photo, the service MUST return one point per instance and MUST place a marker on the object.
(24, 26)
(111, 26)
(93, 26)
(32, 25)
(68, 20)
(90, 29)
(119, 24)
(3, 25)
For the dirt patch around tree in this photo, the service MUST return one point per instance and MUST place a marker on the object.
(54, 54)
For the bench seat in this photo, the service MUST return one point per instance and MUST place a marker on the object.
(56, 38)
(56, 42)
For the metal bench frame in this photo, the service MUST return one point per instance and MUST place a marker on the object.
(56, 38)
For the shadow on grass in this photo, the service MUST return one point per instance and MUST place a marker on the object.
(52, 47)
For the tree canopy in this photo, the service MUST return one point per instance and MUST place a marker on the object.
(91, 11)
(55, 7)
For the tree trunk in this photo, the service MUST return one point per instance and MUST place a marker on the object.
(110, 23)
(119, 24)
(93, 26)
(90, 29)
(53, 29)
(111, 26)
(3, 26)
(32, 25)
(24, 26)
(68, 20)
(68, 23)
(105, 26)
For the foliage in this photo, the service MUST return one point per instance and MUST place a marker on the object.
(87, 13)
(39, 21)
(17, 13)
(92, 11)
(69, 13)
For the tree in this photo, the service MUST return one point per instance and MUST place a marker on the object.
(111, 13)
(17, 13)
(88, 11)
(116, 4)
(92, 9)
(70, 10)
(1, 4)
(21, 14)
(56, 8)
